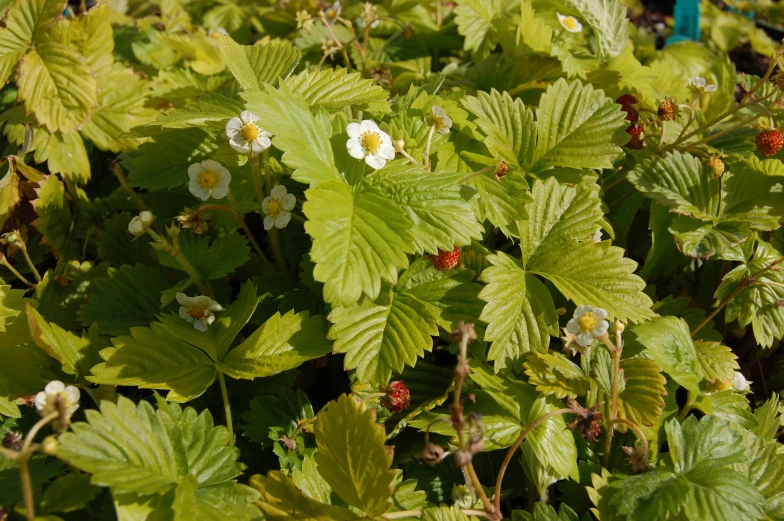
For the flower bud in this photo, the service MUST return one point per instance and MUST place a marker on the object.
(399, 145)
(619, 326)
(50, 446)
(140, 223)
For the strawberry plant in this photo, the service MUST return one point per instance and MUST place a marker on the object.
(299, 260)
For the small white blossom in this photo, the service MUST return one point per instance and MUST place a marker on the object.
(208, 179)
(366, 141)
(334, 11)
(739, 382)
(588, 323)
(439, 119)
(56, 397)
(597, 237)
(198, 310)
(277, 208)
(220, 31)
(245, 135)
(699, 84)
(369, 14)
(140, 223)
(570, 23)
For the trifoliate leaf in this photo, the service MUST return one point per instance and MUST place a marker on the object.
(595, 274)
(351, 455)
(608, 20)
(335, 88)
(578, 127)
(374, 235)
(642, 397)
(281, 501)
(76, 354)
(669, 344)
(303, 138)
(553, 373)
(281, 343)
(474, 19)
(57, 86)
(134, 448)
(126, 297)
(500, 202)
(718, 362)
(25, 22)
(520, 312)
(558, 217)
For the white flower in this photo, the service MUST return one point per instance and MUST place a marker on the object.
(208, 178)
(439, 119)
(597, 237)
(362, 23)
(277, 207)
(588, 323)
(334, 11)
(698, 84)
(140, 223)
(220, 31)
(367, 141)
(245, 135)
(56, 397)
(739, 382)
(570, 23)
(198, 310)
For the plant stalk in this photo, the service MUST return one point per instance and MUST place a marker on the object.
(226, 406)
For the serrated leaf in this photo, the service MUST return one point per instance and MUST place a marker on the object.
(596, 274)
(9, 194)
(303, 138)
(335, 88)
(272, 417)
(281, 501)
(351, 455)
(718, 362)
(642, 397)
(474, 19)
(608, 20)
(578, 127)
(555, 374)
(766, 472)
(126, 297)
(57, 86)
(443, 513)
(76, 354)
(262, 63)
(64, 154)
(25, 22)
(281, 343)
(374, 235)
(210, 110)
(668, 343)
(217, 260)
(67, 493)
(54, 216)
(520, 312)
(500, 202)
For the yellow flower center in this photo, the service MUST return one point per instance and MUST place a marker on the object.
(197, 311)
(371, 142)
(208, 179)
(588, 322)
(274, 207)
(250, 132)
(570, 23)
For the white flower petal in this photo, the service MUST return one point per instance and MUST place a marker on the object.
(581, 310)
(220, 190)
(40, 401)
(182, 299)
(233, 127)
(194, 170)
(355, 149)
(145, 217)
(267, 200)
(282, 220)
(200, 325)
(585, 339)
(72, 393)
(387, 151)
(248, 117)
(196, 189)
(601, 328)
(269, 222)
(278, 192)
(710, 88)
(375, 161)
(242, 149)
(354, 130)
(54, 387)
(289, 201)
(438, 111)
(263, 143)
(600, 312)
(368, 125)
(572, 327)
(209, 164)
(184, 314)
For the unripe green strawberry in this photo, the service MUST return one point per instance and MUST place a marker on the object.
(446, 260)
(769, 141)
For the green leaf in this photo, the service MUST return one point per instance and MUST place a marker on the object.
(211, 110)
(64, 154)
(261, 63)
(443, 513)
(718, 362)
(281, 501)
(595, 274)
(766, 473)
(500, 202)
(57, 86)
(608, 20)
(91, 35)
(281, 343)
(272, 417)
(126, 297)
(668, 343)
(222, 502)
(474, 19)
(358, 241)
(9, 193)
(520, 312)
(76, 354)
(303, 138)
(335, 88)
(26, 21)
(578, 127)
(351, 455)
(555, 374)
(134, 448)
(67, 493)
(221, 257)
(642, 397)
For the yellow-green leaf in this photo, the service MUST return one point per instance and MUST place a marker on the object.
(717, 361)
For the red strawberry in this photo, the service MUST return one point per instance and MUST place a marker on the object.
(397, 398)
(769, 142)
(627, 103)
(638, 134)
(446, 260)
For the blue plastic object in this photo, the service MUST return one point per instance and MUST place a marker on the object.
(687, 21)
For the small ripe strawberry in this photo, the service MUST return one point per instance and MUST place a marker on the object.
(397, 397)
(668, 110)
(769, 142)
(446, 260)
(716, 165)
(638, 135)
(627, 103)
